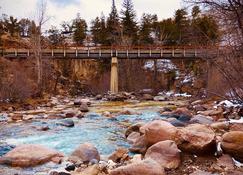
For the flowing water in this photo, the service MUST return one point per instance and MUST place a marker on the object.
(105, 133)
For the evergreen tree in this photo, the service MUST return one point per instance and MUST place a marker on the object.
(11, 25)
(195, 11)
(95, 30)
(182, 24)
(146, 29)
(129, 25)
(206, 31)
(55, 37)
(113, 25)
(80, 29)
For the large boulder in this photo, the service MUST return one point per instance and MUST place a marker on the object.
(196, 138)
(165, 153)
(139, 145)
(147, 166)
(29, 155)
(157, 131)
(233, 144)
(85, 153)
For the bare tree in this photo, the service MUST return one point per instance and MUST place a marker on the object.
(41, 19)
(229, 14)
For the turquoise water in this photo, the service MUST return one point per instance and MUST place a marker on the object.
(106, 134)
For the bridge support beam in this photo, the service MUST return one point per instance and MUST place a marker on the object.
(114, 75)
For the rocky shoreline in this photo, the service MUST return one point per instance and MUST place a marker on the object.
(197, 137)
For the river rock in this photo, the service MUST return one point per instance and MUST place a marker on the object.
(157, 131)
(133, 128)
(91, 170)
(86, 101)
(165, 153)
(177, 123)
(220, 126)
(98, 97)
(85, 153)
(197, 102)
(160, 98)
(84, 107)
(70, 114)
(144, 167)
(67, 123)
(118, 155)
(233, 144)
(182, 112)
(77, 102)
(236, 127)
(133, 137)
(147, 97)
(16, 117)
(29, 155)
(216, 113)
(199, 108)
(196, 138)
(70, 167)
(56, 116)
(201, 119)
(128, 112)
(139, 145)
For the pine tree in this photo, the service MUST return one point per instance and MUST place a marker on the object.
(146, 29)
(182, 24)
(80, 29)
(130, 29)
(95, 30)
(113, 25)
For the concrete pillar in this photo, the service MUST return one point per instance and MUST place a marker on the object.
(114, 75)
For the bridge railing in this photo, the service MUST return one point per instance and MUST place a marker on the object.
(121, 52)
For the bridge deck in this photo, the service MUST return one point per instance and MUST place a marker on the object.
(98, 53)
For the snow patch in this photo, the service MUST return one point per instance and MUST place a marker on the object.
(237, 163)
(163, 65)
(173, 94)
(240, 121)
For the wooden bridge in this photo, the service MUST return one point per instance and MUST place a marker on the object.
(115, 53)
(118, 52)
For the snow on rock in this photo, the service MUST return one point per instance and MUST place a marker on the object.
(188, 79)
(237, 164)
(173, 94)
(228, 104)
(163, 65)
(237, 121)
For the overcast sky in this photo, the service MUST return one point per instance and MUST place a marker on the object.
(66, 10)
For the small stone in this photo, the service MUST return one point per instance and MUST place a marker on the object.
(84, 108)
(118, 155)
(70, 167)
(67, 123)
(98, 97)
